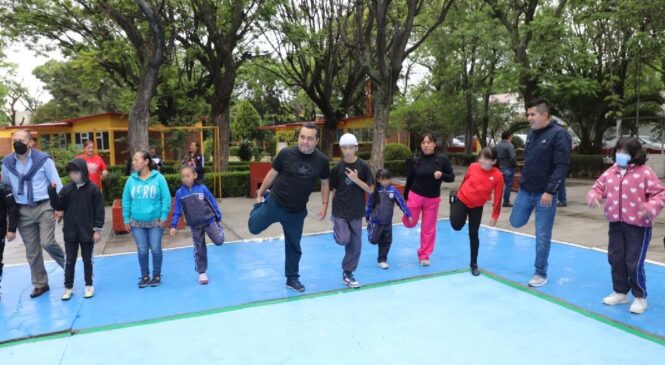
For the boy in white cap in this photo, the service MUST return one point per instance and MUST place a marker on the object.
(350, 179)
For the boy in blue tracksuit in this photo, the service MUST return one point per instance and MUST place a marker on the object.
(202, 215)
(379, 214)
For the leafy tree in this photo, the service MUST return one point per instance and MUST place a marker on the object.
(383, 39)
(245, 121)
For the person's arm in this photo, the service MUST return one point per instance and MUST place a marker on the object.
(655, 193)
(512, 155)
(177, 210)
(104, 168)
(165, 197)
(10, 207)
(561, 162)
(447, 169)
(498, 197)
(368, 206)
(266, 184)
(213, 202)
(126, 203)
(325, 198)
(52, 174)
(56, 199)
(598, 191)
(402, 204)
(98, 205)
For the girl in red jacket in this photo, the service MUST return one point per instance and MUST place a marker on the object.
(633, 197)
(482, 180)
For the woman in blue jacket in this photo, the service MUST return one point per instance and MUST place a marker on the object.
(146, 202)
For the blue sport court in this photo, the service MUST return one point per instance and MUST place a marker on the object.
(404, 315)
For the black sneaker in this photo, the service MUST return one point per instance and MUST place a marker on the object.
(155, 281)
(349, 280)
(474, 270)
(143, 281)
(507, 205)
(295, 284)
(562, 205)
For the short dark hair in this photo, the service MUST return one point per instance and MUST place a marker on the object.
(88, 142)
(488, 153)
(310, 125)
(506, 134)
(634, 148)
(542, 105)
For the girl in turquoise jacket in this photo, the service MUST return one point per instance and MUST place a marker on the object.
(146, 202)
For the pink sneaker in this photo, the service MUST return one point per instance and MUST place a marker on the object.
(203, 279)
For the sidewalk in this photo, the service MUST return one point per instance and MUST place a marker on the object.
(574, 224)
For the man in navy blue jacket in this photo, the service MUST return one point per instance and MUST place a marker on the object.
(546, 159)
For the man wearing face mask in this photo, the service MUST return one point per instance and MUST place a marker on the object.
(546, 159)
(30, 172)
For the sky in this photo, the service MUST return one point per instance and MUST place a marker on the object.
(26, 60)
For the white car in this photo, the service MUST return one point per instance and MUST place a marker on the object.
(646, 141)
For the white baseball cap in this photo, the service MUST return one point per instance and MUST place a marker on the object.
(348, 139)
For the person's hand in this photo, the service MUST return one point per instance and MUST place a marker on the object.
(128, 227)
(172, 232)
(105, 173)
(352, 175)
(438, 174)
(323, 212)
(10, 236)
(58, 215)
(546, 200)
(259, 198)
(163, 223)
(411, 220)
(643, 212)
(594, 202)
(492, 222)
(96, 237)
(54, 185)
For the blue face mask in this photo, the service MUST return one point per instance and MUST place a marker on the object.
(622, 159)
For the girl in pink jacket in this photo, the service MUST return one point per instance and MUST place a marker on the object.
(633, 197)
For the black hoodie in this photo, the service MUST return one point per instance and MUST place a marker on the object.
(83, 205)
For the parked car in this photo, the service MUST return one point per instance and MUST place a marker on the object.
(646, 141)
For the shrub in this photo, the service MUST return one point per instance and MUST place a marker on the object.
(462, 159)
(234, 184)
(233, 151)
(246, 150)
(396, 167)
(396, 151)
(365, 155)
(587, 166)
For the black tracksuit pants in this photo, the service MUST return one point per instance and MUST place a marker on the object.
(71, 252)
(458, 215)
(626, 253)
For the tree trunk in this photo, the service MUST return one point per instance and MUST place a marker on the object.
(329, 134)
(469, 132)
(382, 103)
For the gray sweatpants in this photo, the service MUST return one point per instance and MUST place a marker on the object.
(37, 228)
(348, 233)
(216, 234)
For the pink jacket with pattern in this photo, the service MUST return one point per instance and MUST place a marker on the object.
(636, 198)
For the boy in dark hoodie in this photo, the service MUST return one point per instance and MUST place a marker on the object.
(83, 206)
(8, 218)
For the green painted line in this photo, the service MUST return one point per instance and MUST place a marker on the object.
(585, 312)
(233, 308)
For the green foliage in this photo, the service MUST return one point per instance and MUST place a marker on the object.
(397, 151)
(234, 184)
(233, 151)
(246, 150)
(365, 155)
(244, 121)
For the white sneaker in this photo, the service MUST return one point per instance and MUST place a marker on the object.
(615, 298)
(639, 306)
(537, 281)
(203, 278)
(67, 295)
(89, 292)
(424, 263)
(383, 265)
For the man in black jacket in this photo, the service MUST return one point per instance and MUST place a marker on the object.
(546, 159)
(83, 206)
(8, 218)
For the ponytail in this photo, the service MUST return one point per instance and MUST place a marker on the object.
(381, 174)
(146, 156)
